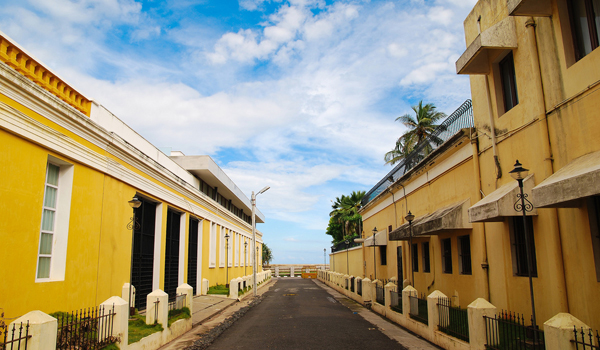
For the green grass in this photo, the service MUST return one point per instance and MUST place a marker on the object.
(218, 289)
(179, 314)
(138, 328)
(110, 347)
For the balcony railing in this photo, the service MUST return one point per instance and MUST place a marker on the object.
(461, 118)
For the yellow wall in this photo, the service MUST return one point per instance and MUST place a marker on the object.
(347, 262)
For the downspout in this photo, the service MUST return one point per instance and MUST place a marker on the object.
(484, 263)
(404, 262)
(547, 153)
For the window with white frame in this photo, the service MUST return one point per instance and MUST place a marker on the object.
(222, 247)
(236, 249)
(54, 227)
(212, 252)
(230, 248)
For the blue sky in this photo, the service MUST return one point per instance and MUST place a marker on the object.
(297, 95)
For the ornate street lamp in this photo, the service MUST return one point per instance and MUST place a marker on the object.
(133, 225)
(324, 258)
(523, 205)
(227, 259)
(347, 265)
(245, 256)
(374, 259)
(410, 217)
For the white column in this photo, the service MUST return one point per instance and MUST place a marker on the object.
(120, 321)
(433, 310)
(42, 328)
(406, 293)
(162, 306)
(558, 331)
(477, 333)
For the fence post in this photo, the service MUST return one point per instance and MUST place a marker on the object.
(476, 310)
(357, 281)
(120, 321)
(125, 293)
(390, 287)
(161, 308)
(406, 293)
(366, 290)
(233, 289)
(189, 295)
(558, 331)
(204, 287)
(373, 290)
(42, 328)
(433, 312)
(292, 271)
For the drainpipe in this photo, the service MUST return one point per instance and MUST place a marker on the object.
(554, 233)
(484, 261)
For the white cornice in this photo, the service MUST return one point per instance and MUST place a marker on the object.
(28, 94)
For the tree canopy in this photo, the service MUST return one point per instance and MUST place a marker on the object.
(344, 220)
(267, 255)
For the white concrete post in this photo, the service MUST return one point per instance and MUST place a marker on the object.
(558, 331)
(390, 287)
(406, 293)
(162, 308)
(357, 281)
(233, 289)
(276, 271)
(292, 271)
(373, 290)
(204, 289)
(433, 311)
(42, 328)
(188, 291)
(476, 310)
(366, 290)
(120, 321)
(125, 292)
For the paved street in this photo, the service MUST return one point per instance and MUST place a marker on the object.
(301, 314)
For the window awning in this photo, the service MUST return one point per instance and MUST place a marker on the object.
(453, 217)
(500, 37)
(500, 203)
(536, 8)
(381, 238)
(578, 179)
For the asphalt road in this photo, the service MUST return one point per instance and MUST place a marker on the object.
(299, 314)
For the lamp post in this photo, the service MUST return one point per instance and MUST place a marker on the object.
(523, 205)
(245, 256)
(347, 265)
(133, 225)
(410, 217)
(254, 234)
(324, 258)
(227, 260)
(374, 259)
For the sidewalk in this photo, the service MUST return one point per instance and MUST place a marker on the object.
(210, 311)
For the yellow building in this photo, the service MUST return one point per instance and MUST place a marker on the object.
(69, 169)
(534, 70)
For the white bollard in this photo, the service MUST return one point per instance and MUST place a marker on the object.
(157, 308)
(120, 321)
(42, 328)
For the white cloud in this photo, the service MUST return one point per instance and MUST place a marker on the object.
(441, 15)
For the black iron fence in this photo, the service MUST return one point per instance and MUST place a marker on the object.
(352, 284)
(586, 341)
(14, 336)
(396, 301)
(453, 321)
(359, 288)
(462, 117)
(418, 308)
(379, 294)
(87, 329)
(508, 331)
(341, 246)
(178, 303)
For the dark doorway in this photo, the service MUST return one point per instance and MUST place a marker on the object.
(143, 252)
(192, 275)
(172, 254)
(399, 264)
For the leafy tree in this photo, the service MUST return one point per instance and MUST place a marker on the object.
(267, 255)
(345, 222)
(421, 127)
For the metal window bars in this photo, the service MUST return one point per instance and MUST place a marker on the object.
(508, 331)
(461, 118)
(453, 321)
(13, 338)
(90, 328)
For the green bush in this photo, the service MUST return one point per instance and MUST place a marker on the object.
(219, 289)
(138, 328)
(179, 314)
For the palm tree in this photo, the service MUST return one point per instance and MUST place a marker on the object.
(404, 145)
(345, 213)
(423, 124)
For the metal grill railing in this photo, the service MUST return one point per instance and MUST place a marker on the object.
(14, 337)
(453, 321)
(586, 344)
(418, 309)
(508, 331)
(461, 118)
(359, 288)
(342, 246)
(90, 328)
(379, 294)
(178, 303)
(396, 301)
(352, 284)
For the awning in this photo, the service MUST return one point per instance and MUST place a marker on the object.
(453, 217)
(578, 179)
(534, 8)
(500, 37)
(381, 238)
(500, 203)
